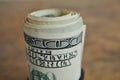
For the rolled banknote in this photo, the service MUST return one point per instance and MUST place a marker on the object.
(54, 41)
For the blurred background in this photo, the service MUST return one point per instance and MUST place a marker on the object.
(101, 58)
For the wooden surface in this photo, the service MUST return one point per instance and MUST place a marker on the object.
(101, 59)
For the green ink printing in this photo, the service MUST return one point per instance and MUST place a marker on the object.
(47, 60)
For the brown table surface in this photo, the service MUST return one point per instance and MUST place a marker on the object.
(101, 59)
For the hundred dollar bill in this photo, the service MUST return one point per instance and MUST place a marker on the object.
(54, 41)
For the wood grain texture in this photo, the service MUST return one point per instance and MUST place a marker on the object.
(101, 58)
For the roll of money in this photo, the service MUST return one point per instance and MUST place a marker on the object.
(54, 40)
